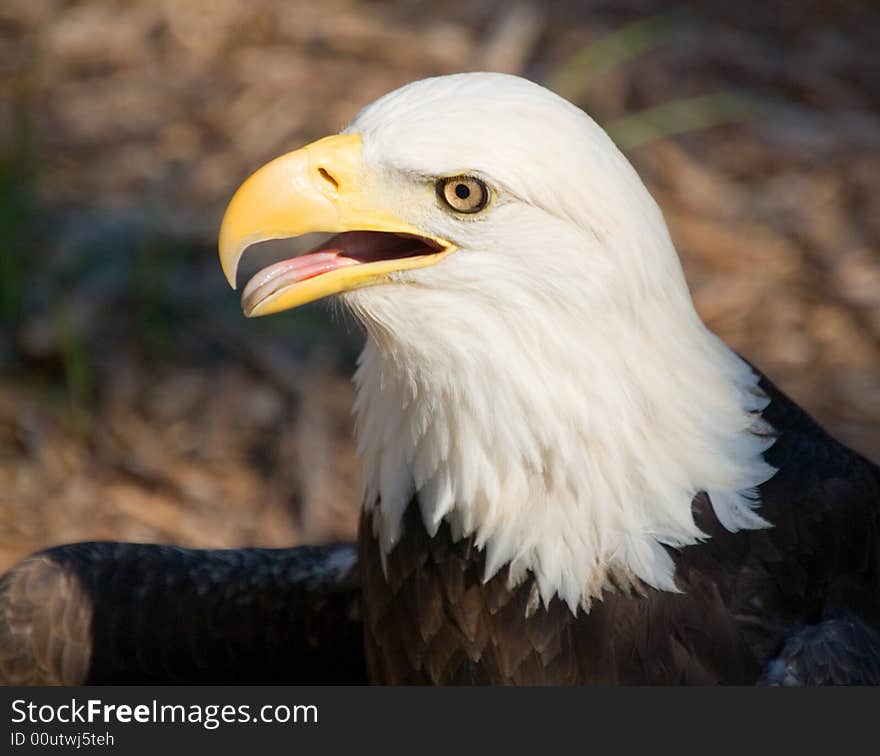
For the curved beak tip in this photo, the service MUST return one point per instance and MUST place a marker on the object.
(232, 245)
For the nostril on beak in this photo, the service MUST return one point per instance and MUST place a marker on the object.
(328, 177)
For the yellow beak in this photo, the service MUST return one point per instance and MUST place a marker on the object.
(319, 188)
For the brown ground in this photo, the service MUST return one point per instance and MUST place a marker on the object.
(136, 403)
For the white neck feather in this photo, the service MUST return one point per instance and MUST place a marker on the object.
(570, 452)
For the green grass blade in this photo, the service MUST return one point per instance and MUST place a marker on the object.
(679, 117)
(571, 78)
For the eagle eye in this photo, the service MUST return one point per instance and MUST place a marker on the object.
(464, 194)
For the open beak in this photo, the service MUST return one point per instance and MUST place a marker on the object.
(318, 188)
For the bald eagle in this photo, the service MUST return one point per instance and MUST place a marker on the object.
(567, 477)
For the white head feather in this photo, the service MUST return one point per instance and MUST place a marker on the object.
(547, 389)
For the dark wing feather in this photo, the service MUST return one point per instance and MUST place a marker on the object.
(142, 613)
(843, 651)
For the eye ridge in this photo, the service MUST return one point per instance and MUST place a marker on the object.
(463, 194)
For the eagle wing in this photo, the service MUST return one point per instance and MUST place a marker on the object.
(107, 612)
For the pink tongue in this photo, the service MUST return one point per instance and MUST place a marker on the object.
(298, 269)
(342, 251)
(291, 271)
(301, 268)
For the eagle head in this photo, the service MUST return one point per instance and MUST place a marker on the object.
(535, 373)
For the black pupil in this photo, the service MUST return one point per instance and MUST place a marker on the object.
(462, 191)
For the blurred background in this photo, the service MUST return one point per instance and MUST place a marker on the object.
(137, 403)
